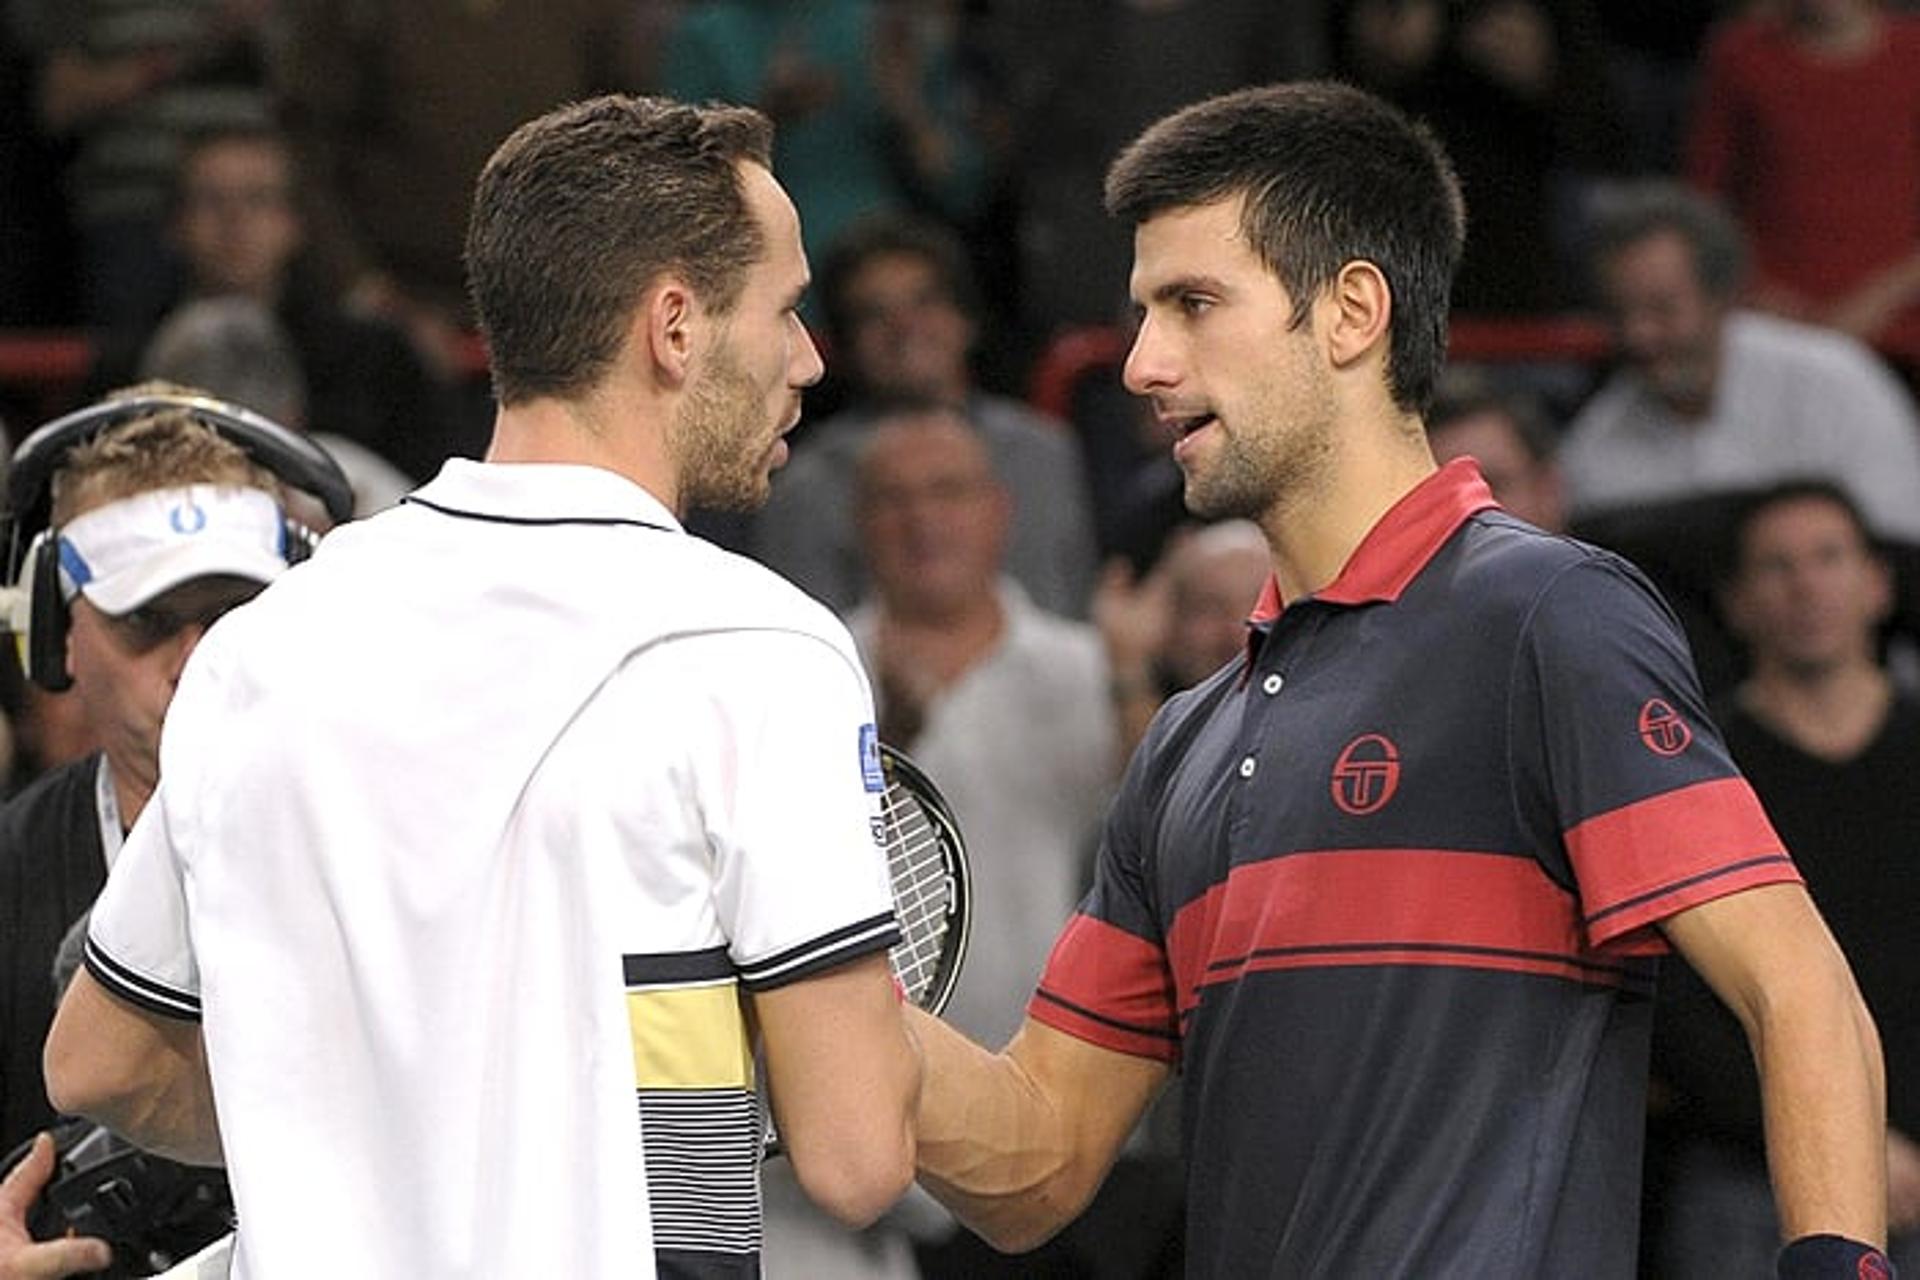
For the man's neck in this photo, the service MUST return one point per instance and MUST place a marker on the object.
(589, 433)
(130, 791)
(945, 646)
(1314, 532)
(1833, 714)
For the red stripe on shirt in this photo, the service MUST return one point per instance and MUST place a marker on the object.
(1383, 906)
(1643, 862)
(1107, 986)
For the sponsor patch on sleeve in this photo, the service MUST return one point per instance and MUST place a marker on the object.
(870, 772)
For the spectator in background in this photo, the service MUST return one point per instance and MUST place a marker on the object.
(1808, 128)
(235, 349)
(127, 84)
(1832, 748)
(1517, 90)
(866, 94)
(1711, 398)
(1003, 702)
(238, 228)
(393, 106)
(132, 624)
(901, 321)
(1508, 433)
(1082, 78)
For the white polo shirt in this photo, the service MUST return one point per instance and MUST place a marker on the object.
(470, 830)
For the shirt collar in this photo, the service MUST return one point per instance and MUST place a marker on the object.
(544, 492)
(1400, 543)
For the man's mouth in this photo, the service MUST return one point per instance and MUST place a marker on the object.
(1184, 427)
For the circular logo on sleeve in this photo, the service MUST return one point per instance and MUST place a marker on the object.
(1662, 729)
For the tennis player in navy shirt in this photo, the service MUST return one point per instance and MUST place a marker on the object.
(1388, 891)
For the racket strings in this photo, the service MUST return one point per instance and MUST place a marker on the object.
(922, 890)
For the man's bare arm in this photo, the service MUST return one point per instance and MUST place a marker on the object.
(141, 1075)
(1768, 955)
(844, 1075)
(1016, 1143)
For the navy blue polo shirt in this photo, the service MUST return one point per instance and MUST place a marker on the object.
(1385, 889)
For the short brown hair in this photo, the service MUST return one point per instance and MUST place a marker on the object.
(1330, 175)
(160, 450)
(579, 211)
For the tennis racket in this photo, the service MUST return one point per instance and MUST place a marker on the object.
(927, 865)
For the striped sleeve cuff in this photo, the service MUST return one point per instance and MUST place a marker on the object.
(138, 989)
(849, 942)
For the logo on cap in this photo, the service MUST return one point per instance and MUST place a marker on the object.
(187, 517)
(1662, 729)
(1366, 774)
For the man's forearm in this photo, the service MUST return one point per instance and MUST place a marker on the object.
(1823, 1090)
(1016, 1143)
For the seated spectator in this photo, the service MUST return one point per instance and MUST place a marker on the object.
(898, 304)
(1508, 433)
(238, 228)
(1807, 125)
(1711, 398)
(1004, 704)
(235, 349)
(1832, 749)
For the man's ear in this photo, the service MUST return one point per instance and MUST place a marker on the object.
(666, 327)
(1361, 306)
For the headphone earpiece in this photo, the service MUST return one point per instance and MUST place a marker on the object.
(45, 641)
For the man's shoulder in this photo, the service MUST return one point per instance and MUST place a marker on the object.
(1620, 404)
(1508, 568)
(1777, 342)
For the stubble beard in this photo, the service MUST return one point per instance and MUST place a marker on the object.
(1261, 474)
(718, 444)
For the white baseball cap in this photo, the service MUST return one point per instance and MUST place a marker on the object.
(123, 553)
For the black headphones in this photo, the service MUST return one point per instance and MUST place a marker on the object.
(39, 611)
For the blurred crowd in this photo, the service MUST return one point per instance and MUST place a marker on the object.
(265, 199)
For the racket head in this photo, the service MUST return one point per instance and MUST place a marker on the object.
(931, 880)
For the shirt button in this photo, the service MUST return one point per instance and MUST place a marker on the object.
(1246, 767)
(1271, 685)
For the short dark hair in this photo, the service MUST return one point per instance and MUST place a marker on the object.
(1625, 215)
(580, 211)
(877, 235)
(1330, 175)
(1749, 508)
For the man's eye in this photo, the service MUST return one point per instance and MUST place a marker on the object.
(1195, 304)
